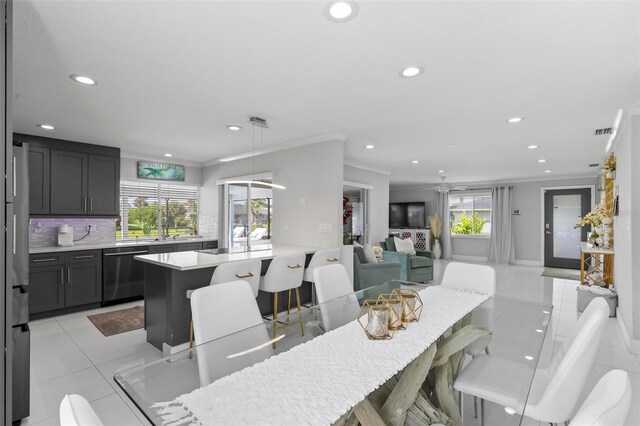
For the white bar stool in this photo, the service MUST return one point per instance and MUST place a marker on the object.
(246, 270)
(320, 258)
(285, 273)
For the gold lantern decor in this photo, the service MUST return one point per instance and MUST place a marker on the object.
(412, 307)
(396, 304)
(376, 323)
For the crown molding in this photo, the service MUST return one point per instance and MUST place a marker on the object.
(325, 137)
(368, 168)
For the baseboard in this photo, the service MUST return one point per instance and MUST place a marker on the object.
(469, 258)
(632, 344)
(528, 262)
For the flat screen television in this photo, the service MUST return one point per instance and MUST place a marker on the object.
(407, 215)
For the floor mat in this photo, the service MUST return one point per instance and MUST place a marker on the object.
(565, 274)
(120, 321)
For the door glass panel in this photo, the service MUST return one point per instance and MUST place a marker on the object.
(238, 215)
(566, 239)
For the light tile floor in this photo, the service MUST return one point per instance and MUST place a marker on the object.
(69, 355)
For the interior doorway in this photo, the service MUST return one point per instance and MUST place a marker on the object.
(562, 209)
(355, 214)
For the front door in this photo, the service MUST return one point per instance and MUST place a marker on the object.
(562, 209)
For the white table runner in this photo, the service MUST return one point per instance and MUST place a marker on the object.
(320, 380)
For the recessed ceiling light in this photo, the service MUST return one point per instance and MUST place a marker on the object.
(538, 330)
(542, 161)
(370, 146)
(545, 312)
(547, 171)
(533, 147)
(440, 171)
(341, 11)
(168, 155)
(515, 120)
(528, 357)
(415, 161)
(46, 126)
(411, 72)
(83, 79)
(510, 410)
(234, 127)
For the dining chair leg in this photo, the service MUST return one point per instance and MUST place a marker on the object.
(190, 338)
(299, 311)
(289, 305)
(481, 412)
(461, 406)
(566, 423)
(475, 407)
(275, 318)
(486, 350)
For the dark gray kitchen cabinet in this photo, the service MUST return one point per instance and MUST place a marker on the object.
(64, 280)
(39, 174)
(208, 245)
(83, 283)
(187, 247)
(46, 288)
(69, 183)
(161, 248)
(104, 185)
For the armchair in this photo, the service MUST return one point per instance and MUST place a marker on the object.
(418, 268)
(369, 274)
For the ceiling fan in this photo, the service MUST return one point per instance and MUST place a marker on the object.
(445, 188)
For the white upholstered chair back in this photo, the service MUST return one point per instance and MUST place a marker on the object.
(320, 258)
(470, 277)
(284, 273)
(221, 310)
(246, 270)
(337, 301)
(569, 369)
(608, 403)
(76, 411)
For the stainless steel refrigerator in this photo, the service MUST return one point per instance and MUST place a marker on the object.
(20, 359)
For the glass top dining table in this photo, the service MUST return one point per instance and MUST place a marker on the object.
(518, 330)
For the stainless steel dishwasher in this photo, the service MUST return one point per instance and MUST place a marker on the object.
(122, 275)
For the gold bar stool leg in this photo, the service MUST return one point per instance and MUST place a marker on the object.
(299, 310)
(275, 318)
(289, 305)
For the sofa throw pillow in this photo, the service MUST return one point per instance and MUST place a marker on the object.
(369, 254)
(404, 246)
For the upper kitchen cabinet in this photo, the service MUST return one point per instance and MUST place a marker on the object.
(71, 178)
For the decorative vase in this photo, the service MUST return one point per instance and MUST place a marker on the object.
(437, 250)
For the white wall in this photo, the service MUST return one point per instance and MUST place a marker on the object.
(626, 226)
(129, 171)
(312, 172)
(378, 200)
(527, 226)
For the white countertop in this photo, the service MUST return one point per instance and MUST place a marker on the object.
(116, 244)
(188, 260)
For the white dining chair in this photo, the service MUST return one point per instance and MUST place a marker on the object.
(320, 258)
(75, 410)
(284, 274)
(336, 299)
(556, 390)
(246, 270)
(228, 312)
(608, 403)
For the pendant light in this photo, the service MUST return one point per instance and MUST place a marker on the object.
(260, 123)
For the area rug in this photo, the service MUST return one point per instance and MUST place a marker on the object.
(565, 274)
(120, 321)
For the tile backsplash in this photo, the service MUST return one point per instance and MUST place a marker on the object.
(43, 232)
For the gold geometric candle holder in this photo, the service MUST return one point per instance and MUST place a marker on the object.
(396, 304)
(377, 315)
(412, 304)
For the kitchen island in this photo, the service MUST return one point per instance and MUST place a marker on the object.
(168, 276)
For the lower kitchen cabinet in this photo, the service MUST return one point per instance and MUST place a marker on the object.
(75, 282)
(46, 288)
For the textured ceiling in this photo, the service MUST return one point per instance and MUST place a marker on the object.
(172, 75)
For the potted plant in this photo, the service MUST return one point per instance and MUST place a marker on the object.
(436, 231)
(610, 167)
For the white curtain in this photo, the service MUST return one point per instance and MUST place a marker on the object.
(501, 245)
(443, 211)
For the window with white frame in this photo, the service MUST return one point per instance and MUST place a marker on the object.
(150, 209)
(470, 213)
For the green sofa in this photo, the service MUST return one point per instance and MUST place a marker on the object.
(417, 269)
(369, 274)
